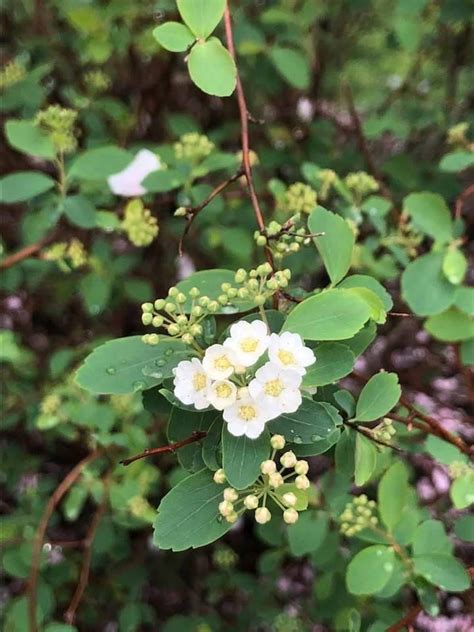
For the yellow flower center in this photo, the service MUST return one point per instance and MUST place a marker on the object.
(223, 390)
(273, 387)
(247, 413)
(199, 381)
(222, 363)
(249, 345)
(286, 357)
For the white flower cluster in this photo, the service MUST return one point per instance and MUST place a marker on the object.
(234, 378)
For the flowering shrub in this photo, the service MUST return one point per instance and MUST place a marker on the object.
(285, 426)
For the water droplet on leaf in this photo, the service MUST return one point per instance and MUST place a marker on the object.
(139, 385)
(111, 370)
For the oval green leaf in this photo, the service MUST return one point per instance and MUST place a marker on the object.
(241, 457)
(424, 286)
(24, 185)
(201, 16)
(337, 243)
(173, 36)
(370, 570)
(378, 397)
(212, 68)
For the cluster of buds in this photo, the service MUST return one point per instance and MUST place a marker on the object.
(458, 468)
(358, 515)
(406, 237)
(96, 82)
(327, 179)
(11, 73)
(193, 147)
(258, 285)
(385, 430)
(457, 138)
(282, 239)
(361, 184)
(139, 224)
(67, 255)
(272, 483)
(253, 157)
(300, 198)
(59, 123)
(50, 404)
(168, 313)
(224, 557)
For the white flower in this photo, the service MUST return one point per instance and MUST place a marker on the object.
(191, 383)
(222, 394)
(128, 182)
(246, 417)
(288, 351)
(248, 341)
(219, 362)
(278, 388)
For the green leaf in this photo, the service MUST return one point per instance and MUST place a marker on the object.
(23, 185)
(424, 286)
(201, 16)
(365, 460)
(241, 457)
(363, 338)
(442, 570)
(100, 163)
(444, 452)
(95, 290)
(467, 352)
(378, 397)
(457, 161)
(393, 495)
(163, 180)
(188, 516)
(331, 315)
(464, 528)
(211, 446)
(182, 424)
(28, 138)
(337, 243)
(377, 310)
(292, 66)
(430, 215)
(462, 490)
(451, 325)
(212, 68)
(310, 423)
(368, 282)
(430, 537)
(174, 36)
(308, 534)
(117, 367)
(454, 266)
(209, 284)
(80, 211)
(465, 299)
(370, 570)
(333, 361)
(317, 447)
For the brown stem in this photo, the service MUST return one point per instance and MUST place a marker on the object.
(366, 432)
(461, 200)
(24, 253)
(172, 447)
(407, 620)
(244, 134)
(70, 614)
(54, 500)
(195, 210)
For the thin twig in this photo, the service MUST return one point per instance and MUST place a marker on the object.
(461, 200)
(24, 253)
(407, 620)
(172, 447)
(192, 212)
(70, 614)
(366, 432)
(54, 500)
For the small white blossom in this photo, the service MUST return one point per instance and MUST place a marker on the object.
(219, 362)
(302, 482)
(230, 494)
(128, 182)
(288, 351)
(191, 383)
(251, 501)
(248, 341)
(290, 516)
(301, 467)
(222, 394)
(246, 417)
(278, 388)
(262, 515)
(289, 499)
(219, 477)
(276, 480)
(268, 467)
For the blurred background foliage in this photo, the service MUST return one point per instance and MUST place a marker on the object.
(405, 66)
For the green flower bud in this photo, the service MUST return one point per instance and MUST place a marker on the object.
(204, 301)
(159, 304)
(260, 299)
(243, 293)
(253, 284)
(213, 306)
(153, 339)
(173, 292)
(181, 298)
(194, 292)
(182, 320)
(196, 311)
(240, 275)
(147, 307)
(173, 329)
(181, 212)
(147, 318)
(188, 339)
(225, 287)
(232, 292)
(261, 240)
(158, 321)
(223, 299)
(196, 330)
(170, 308)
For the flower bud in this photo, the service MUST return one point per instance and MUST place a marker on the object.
(253, 285)
(268, 467)
(301, 467)
(243, 292)
(182, 320)
(302, 482)
(173, 329)
(158, 321)
(219, 477)
(232, 517)
(230, 494)
(147, 307)
(213, 306)
(223, 299)
(261, 240)
(194, 292)
(170, 308)
(277, 442)
(275, 480)
(288, 459)
(196, 311)
(240, 275)
(226, 508)
(262, 515)
(204, 301)
(272, 284)
(181, 298)
(181, 211)
(290, 516)
(260, 299)
(159, 304)
(196, 330)
(225, 287)
(232, 292)
(152, 339)
(173, 291)
(147, 318)
(188, 339)
(289, 499)
(251, 501)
